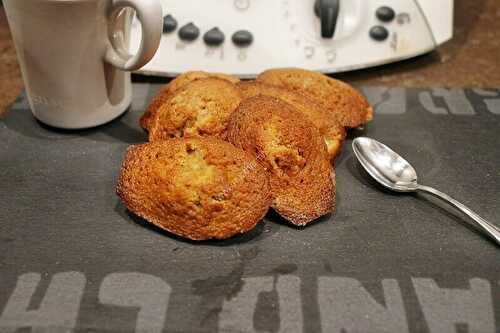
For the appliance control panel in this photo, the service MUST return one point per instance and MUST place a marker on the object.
(245, 37)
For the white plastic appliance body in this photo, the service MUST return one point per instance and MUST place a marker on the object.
(287, 33)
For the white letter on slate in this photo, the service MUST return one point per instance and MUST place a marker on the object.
(58, 309)
(386, 100)
(237, 313)
(148, 292)
(455, 99)
(291, 319)
(443, 308)
(345, 305)
(427, 102)
(493, 103)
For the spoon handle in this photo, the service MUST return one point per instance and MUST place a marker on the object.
(490, 229)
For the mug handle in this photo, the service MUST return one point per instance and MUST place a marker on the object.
(149, 13)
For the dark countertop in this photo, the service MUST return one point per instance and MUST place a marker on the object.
(469, 60)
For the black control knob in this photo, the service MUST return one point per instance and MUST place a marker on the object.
(169, 24)
(189, 32)
(328, 12)
(385, 14)
(214, 37)
(242, 38)
(379, 33)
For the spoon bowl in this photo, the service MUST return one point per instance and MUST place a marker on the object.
(395, 173)
(385, 165)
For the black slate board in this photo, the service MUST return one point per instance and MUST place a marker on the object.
(73, 258)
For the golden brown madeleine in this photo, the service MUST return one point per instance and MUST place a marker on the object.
(177, 83)
(191, 76)
(291, 148)
(329, 126)
(200, 108)
(198, 188)
(340, 98)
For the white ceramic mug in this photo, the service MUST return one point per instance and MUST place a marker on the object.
(74, 56)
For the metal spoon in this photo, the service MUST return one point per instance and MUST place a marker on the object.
(395, 173)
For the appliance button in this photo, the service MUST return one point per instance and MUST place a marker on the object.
(379, 33)
(189, 32)
(242, 4)
(214, 37)
(242, 38)
(385, 14)
(169, 24)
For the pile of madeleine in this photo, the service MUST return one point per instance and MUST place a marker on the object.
(221, 151)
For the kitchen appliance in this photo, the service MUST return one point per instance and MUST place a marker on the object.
(245, 37)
